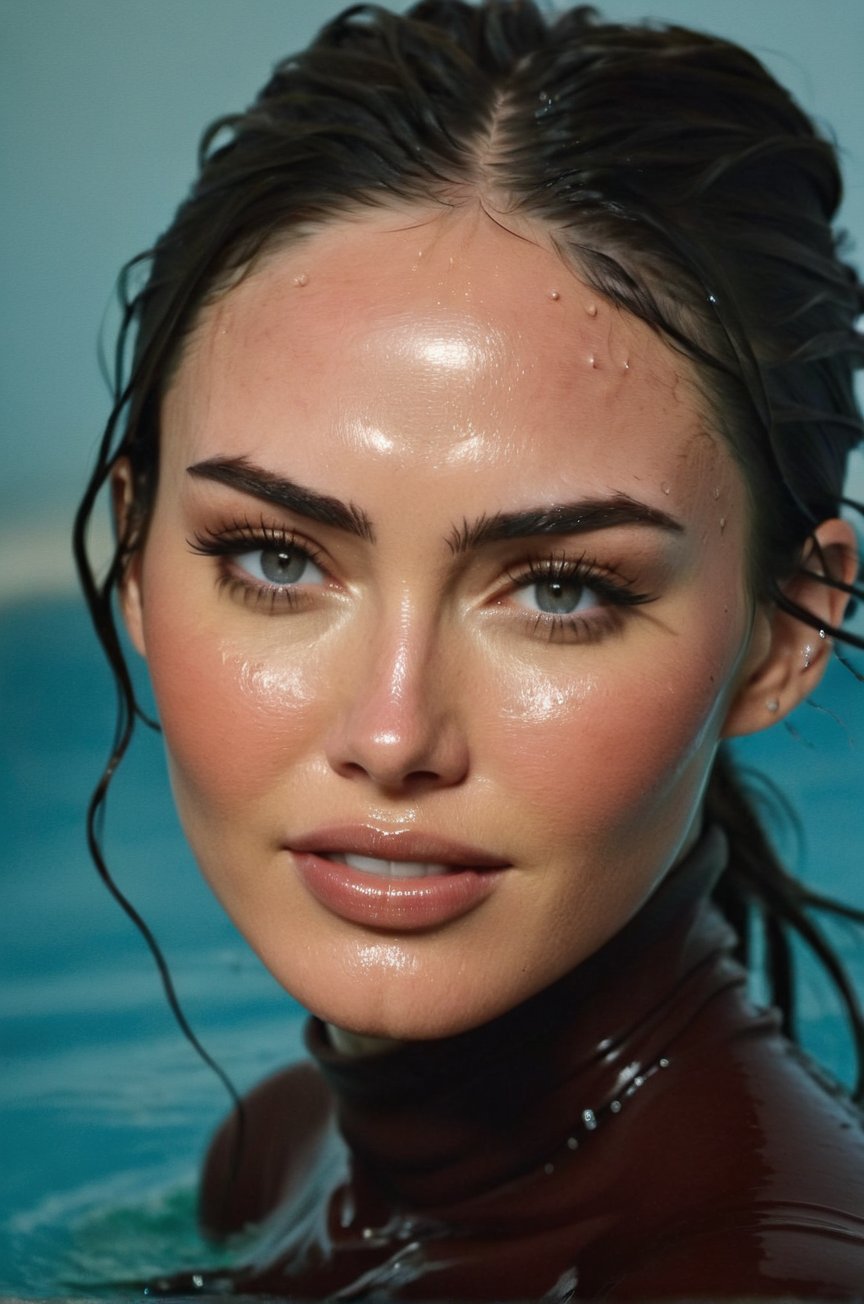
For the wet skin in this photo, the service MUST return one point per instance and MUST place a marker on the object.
(550, 701)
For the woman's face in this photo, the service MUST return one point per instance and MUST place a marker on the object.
(444, 605)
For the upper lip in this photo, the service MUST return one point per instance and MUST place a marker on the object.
(395, 844)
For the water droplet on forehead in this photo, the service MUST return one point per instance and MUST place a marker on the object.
(302, 278)
(555, 294)
(591, 309)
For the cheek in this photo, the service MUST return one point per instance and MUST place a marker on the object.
(228, 714)
(612, 746)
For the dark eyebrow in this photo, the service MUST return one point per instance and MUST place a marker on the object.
(239, 473)
(563, 518)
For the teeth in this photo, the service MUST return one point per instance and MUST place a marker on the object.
(391, 868)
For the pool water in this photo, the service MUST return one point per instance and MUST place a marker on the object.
(104, 1108)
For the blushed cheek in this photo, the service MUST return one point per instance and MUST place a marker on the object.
(607, 753)
(232, 721)
(541, 701)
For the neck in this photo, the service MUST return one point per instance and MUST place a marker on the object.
(459, 1116)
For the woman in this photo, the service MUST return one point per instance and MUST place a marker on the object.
(478, 474)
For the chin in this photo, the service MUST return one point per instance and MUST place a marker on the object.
(413, 1004)
(413, 1022)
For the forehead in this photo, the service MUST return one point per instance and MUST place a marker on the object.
(440, 340)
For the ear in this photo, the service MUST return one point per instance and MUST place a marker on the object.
(787, 657)
(129, 584)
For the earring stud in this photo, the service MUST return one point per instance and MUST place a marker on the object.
(807, 656)
(772, 705)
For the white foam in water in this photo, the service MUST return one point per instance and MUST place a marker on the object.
(126, 1228)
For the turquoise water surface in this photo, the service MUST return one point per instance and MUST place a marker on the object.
(104, 1108)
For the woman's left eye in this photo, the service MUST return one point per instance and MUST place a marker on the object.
(556, 597)
(279, 566)
(573, 599)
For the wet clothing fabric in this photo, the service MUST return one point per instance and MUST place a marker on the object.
(636, 1131)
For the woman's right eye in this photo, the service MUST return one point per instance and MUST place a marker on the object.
(262, 563)
(279, 567)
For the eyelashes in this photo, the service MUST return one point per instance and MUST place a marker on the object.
(557, 597)
(262, 563)
(573, 597)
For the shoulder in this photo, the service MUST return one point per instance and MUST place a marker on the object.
(798, 1253)
(285, 1121)
(775, 1129)
(756, 1175)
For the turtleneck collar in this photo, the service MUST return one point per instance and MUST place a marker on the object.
(453, 1120)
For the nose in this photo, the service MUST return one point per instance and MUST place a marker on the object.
(398, 723)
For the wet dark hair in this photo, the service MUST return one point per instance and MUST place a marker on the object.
(671, 171)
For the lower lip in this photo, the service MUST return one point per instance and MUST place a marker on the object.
(406, 904)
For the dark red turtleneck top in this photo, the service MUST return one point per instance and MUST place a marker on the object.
(637, 1131)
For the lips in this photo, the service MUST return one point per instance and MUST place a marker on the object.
(399, 880)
